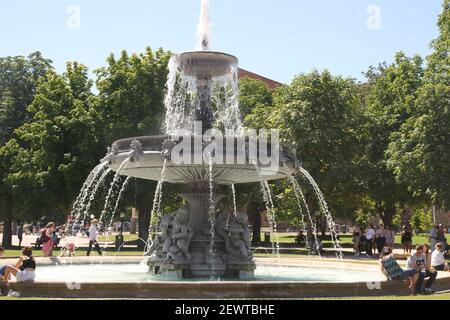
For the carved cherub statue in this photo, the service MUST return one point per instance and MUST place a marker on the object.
(239, 233)
(181, 236)
(162, 242)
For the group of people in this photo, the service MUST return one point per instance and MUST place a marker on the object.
(372, 239)
(24, 269)
(51, 235)
(423, 264)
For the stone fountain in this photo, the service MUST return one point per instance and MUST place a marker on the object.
(197, 241)
(184, 246)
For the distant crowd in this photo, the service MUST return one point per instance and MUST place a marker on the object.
(374, 238)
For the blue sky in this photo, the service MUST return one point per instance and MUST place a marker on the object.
(275, 38)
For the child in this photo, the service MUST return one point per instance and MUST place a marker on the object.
(70, 247)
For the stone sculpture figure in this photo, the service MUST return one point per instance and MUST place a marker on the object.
(236, 235)
(161, 244)
(181, 237)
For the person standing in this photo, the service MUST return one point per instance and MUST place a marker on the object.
(380, 238)
(93, 236)
(370, 234)
(407, 239)
(20, 233)
(46, 239)
(440, 235)
(433, 236)
(390, 237)
(355, 239)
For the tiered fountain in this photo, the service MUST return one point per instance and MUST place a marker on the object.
(197, 241)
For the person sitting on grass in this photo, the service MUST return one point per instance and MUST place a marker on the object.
(392, 270)
(438, 259)
(25, 268)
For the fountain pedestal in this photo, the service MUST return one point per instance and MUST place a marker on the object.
(211, 252)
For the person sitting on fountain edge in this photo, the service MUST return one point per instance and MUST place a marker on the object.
(25, 268)
(93, 235)
(392, 270)
(2, 267)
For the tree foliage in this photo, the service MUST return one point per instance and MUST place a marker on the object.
(419, 153)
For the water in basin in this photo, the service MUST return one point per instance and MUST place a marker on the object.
(138, 273)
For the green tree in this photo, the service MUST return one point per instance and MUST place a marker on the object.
(318, 115)
(18, 79)
(53, 152)
(253, 93)
(390, 104)
(131, 94)
(130, 103)
(419, 154)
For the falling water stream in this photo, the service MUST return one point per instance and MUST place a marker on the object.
(82, 216)
(119, 197)
(116, 179)
(93, 175)
(157, 200)
(212, 216)
(91, 181)
(204, 27)
(233, 191)
(301, 198)
(325, 210)
(267, 197)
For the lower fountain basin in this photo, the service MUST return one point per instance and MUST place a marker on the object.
(297, 278)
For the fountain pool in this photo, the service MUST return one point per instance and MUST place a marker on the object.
(128, 277)
(138, 273)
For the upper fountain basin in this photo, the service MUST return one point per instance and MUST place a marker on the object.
(206, 64)
(148, 154)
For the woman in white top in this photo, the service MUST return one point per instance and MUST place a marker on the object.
(370, 234)
(438, 259)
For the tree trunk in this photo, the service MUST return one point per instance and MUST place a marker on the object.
(7, 225)
(143, 226)
(254, 216)
(144, 203)
(387, 214)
